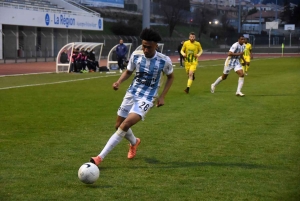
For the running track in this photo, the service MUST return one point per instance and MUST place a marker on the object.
(49, 67)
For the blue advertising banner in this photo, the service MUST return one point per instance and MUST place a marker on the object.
(52, 20)
(101, 3)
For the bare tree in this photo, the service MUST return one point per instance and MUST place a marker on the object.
(174, 12)
(246, 13)
(201, 17)
(286, 15)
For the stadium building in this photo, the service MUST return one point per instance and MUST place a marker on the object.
(38, 28)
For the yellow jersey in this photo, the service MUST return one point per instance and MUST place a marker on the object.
(190, 49)
(248, 49)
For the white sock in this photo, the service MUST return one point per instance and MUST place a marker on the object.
(218, 81)
(130, 137)
(240, 84)
(112, 142)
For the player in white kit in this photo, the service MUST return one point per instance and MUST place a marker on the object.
(235, 53)
(149, 66)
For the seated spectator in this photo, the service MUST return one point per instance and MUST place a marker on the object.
(64, 57)
(77, 61)
(92, 63)
(83, 61)
(73, 67)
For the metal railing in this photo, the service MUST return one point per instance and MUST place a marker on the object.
(83, 7)
(48, 50)
(46, 9)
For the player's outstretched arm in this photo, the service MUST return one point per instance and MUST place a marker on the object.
(161, 98)
(122, 78)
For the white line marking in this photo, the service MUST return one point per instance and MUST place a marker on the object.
(32, 85)
(26, 74)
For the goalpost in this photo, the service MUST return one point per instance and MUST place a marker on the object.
(111, 60)
(160, 47)
(70, 47)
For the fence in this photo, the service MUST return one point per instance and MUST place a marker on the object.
(31, 48)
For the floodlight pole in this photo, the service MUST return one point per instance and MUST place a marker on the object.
(260, 17)
(146, 14)
(239, 21)
(276, 12)
(290, 38)
(270, 37)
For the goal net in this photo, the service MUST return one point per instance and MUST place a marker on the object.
(64, 56)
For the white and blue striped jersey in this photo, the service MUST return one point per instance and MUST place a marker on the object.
(149, 72)
(234, 60)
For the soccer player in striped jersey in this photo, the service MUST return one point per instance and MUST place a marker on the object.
(247, 56)
(149, 66)
(235, 53)
(191, 50)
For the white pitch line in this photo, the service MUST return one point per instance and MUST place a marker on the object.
(13, 75)
(42, 84)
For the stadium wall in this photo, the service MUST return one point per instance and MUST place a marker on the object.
(32, 31)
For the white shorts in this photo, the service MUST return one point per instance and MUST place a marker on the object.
(227, 69)
(135, 105)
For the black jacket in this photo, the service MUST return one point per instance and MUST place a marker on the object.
(179, 48)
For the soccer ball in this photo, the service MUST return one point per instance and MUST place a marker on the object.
(88, 173)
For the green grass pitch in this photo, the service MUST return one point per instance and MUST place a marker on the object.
(198, 146)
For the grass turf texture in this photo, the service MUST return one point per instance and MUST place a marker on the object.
(199, 146)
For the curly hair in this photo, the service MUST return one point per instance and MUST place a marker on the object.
(149, 34)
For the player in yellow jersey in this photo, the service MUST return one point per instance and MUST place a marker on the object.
(247, 56)
(191, 50)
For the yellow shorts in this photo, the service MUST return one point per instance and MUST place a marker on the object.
(247, 59)
(190, 66)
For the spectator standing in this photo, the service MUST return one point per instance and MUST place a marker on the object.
(179, 52)
(121, 52)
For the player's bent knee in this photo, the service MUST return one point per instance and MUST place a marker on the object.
(125, 125)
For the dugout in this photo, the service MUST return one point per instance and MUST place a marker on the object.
(64, 67)
(112, 57)
(160, 47)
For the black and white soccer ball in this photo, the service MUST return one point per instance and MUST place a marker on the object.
(88, 173)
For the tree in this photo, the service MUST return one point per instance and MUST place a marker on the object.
(174, 11)
(246, 14)
(295, 18)
(286, 15)
(201, 17)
